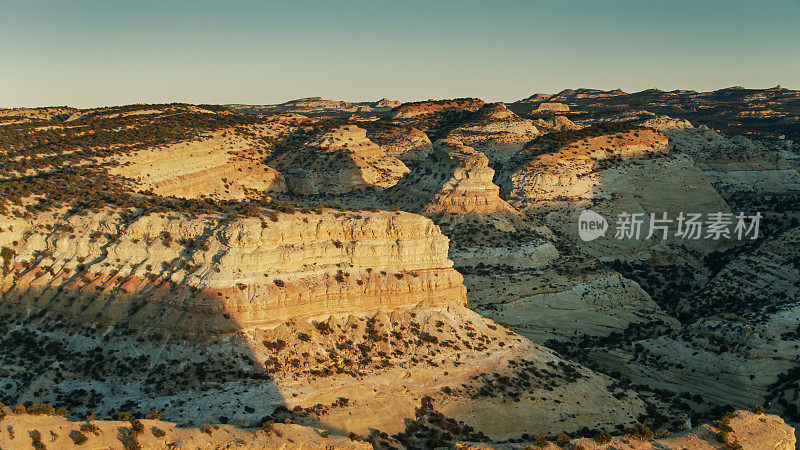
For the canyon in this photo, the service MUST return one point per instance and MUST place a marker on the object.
(332, 274)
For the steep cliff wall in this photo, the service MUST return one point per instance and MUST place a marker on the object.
(211, 274)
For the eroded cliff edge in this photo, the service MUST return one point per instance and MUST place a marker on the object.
(218, 274)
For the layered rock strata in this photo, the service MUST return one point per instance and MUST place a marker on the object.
(209, 274)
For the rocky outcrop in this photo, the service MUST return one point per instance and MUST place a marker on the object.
(225, 165)
(416, 109)
(631, 172)
(495, 131)
(577, 170)
(212, 275)
(555, 123)
(456, 179)
(552, 107)
(337, 161)
(407, 144)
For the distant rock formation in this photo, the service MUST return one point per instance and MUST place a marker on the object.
(552, 107)
(337, 161)
(407, 144)
(222, 166)
(416, 109)
(456, 179)
(555, 123)
(495, 131)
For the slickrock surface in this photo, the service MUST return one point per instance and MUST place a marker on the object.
(495, 131)
(254, 271)
(417, 109)
(224, 165)
(734, 165)
(743, 349)
(750, 431)
(576, 171)
(630, 172)
(337, 161)
(543, 304)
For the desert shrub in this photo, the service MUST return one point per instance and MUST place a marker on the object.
(158, 432)
(207, 428)
(137, 425)
(62, 411)
(77, 437)
(276, 346)
(602, 437)
(323, 328)
(640, 431)
(279, 283)
(19, 409)
(90, 428)
(7, 254)
(41, 408)
(154, 415)
(425, 337)
(166, 238)
(758, 409)
(125, 416)
(304, 337)
(355, 437)
(36, 437)
(562, 439)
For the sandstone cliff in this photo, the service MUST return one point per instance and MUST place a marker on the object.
(455, 179)
(221, 275)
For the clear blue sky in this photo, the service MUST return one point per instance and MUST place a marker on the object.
(91, 53)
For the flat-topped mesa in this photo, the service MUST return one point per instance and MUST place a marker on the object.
(214, 275)
(337, 161)
(417, 109)
(552, 107)
(495, 131)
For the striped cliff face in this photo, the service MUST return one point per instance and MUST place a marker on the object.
(216, 275)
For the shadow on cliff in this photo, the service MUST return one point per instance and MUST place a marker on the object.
(95, 341)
